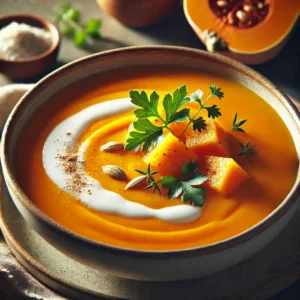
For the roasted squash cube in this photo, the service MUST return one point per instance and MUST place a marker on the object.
(224, 174)
(169, 156)
(211, 141)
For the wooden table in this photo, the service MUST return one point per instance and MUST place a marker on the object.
(284, 70)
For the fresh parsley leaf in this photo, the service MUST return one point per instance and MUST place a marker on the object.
(173, 112)
(172, 103)
(175, 191)
(182, 115)
(65, 7)
(196, 96)
(195, 195)
(73, 14)
(92, 28)
(236, 125)
(79, 39)
(216, 91)
(197, 179)
(67, 19)
(168, 181)
(147, 135)
(189, 168)
(149, 107)
(199, 124)
(247, 150)
(213, 111)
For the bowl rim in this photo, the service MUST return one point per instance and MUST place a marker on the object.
(244, 236)
(46, 25)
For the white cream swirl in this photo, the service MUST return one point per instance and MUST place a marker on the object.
(99, 198)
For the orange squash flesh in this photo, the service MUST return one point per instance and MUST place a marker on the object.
(222, 217)
(224, 174)
(169, 157)
(267, 35)
(211, 141)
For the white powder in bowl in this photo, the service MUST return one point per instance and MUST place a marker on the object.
(20, 41)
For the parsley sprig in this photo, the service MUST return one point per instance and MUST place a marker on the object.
(212, 111)
(145, 134)
(185, 187)
(236, 125)
(152, 183)
(68, 20)
(247, 150)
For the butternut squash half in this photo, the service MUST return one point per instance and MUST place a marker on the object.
(251, 31)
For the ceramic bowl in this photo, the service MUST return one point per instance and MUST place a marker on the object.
(149, 265)
(33, 66)
(138, 13)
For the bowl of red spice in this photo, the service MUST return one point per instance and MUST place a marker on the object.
(28, 46)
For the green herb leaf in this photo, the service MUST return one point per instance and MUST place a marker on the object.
(73, 14)
(236, 125)
(196, 96)
(197, 180)
(199, 124)
(174, 191)
(68, 19)
(168, 181)
(172, 103)
(65, 7)
(92, 28)
(147, 135)
(213, 111)
(216, 91)
(195, 195)
(149, 108)
(67, 30)
(182, 115)
(151, 181)
(80, 39)
(189, 168)
(247, 150)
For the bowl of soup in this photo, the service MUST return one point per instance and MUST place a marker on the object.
(154, 163)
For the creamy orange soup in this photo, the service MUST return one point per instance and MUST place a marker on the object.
(272, 171)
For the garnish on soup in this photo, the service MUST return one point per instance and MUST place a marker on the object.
(175, 154)
(236, 125)
(161, 169)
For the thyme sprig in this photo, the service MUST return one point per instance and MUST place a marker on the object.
(236, 125)
(152, 183)
(247, 150)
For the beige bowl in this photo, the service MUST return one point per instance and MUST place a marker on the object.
(149, 265)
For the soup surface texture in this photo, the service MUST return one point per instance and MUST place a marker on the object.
(138, 223)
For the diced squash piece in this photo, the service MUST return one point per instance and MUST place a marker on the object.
(211, 141)
(178, 128)
(224, 174)
(169, 156)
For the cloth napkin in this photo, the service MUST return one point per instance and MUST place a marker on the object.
(15, 282)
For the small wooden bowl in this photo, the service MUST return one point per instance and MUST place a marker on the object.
(138, 13)
(33, 66)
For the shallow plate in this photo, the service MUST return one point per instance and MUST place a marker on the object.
(265, 274)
